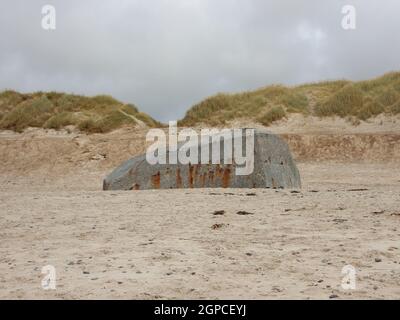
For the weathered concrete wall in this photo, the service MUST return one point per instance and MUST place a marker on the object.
(273, 168)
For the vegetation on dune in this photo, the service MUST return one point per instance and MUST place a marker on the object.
(272, 115)
(351, 100)
(355, 101)
(56, 110)
(395, 109)
(346, 101)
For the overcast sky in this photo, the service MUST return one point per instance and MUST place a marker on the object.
(166, 55)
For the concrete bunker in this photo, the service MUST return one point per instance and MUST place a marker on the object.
(273, 167)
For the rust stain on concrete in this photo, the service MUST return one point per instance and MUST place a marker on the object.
(155, 180)
(190, 176)
(226, 177)
(178, 178)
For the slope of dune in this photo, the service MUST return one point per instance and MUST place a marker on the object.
(54, 110)
(354, 101)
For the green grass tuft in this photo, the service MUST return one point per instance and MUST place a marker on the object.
(395, 108)
(369, 109)
(30, 113)
(343, 103)
(275, 114)
(295, 102)
(388, 97)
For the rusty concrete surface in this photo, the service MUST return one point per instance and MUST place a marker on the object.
(274, 167)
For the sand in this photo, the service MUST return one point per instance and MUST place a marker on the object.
(170, 244)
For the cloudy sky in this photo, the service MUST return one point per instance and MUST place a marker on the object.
(166, 55)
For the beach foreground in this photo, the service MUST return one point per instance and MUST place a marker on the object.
(174, 244)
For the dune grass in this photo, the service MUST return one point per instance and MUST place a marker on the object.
(272, 115)
(351, 100)
(395, 108)
(356, 101)
(56, 110)
(346, 101)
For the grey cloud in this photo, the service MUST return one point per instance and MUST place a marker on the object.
(167, 55)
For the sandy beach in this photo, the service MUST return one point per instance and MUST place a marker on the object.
(204, 150)
(184, 244)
